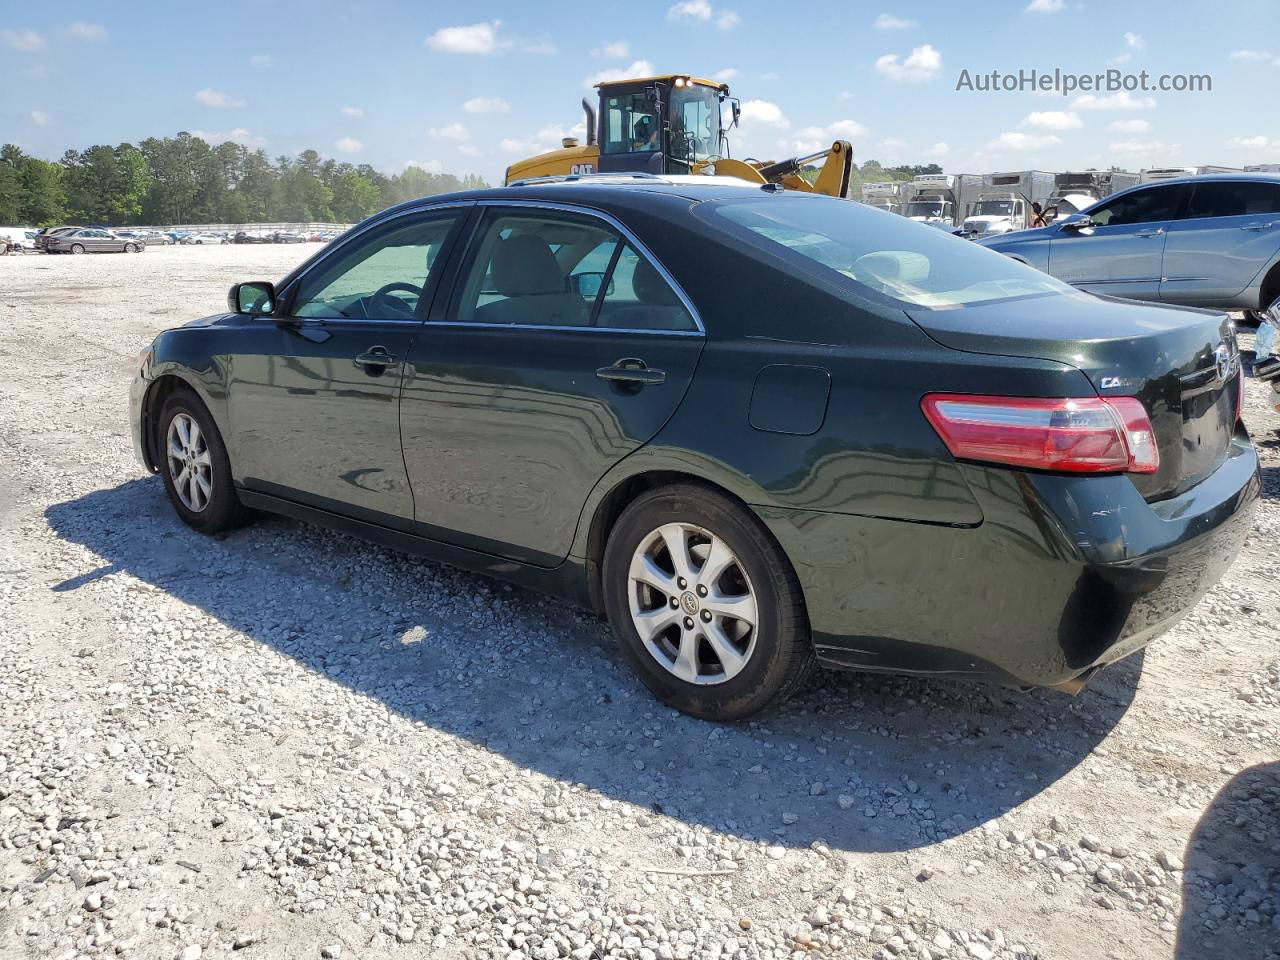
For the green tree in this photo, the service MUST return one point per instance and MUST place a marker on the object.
(354, 197)
(44, 201)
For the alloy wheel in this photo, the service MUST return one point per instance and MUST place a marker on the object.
(692, 604)
(190, 466)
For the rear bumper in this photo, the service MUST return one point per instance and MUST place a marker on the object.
(1063, 575)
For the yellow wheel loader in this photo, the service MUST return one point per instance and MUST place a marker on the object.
(674, 125)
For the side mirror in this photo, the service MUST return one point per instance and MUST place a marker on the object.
(1080, 223)
(587, 285)
(256, 298)
(737, 112)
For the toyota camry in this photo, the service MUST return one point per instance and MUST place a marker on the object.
(757, 430)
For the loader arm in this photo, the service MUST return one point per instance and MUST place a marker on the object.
(833, 178)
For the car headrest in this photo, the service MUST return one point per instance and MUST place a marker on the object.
(650, 287)
(524, 265)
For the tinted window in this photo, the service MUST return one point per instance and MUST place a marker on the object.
(640, 298)
(1141, 206)
(909, 263)
(631, 124)
(1225, 198)
(380, 277)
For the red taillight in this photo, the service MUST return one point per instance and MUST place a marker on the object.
(1079, 434)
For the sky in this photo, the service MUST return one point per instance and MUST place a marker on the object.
(471, 87)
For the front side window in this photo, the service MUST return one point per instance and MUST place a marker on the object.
(911, 264)
(380, 277)
(1233, 198)
(631, 125)
(695, 124)
(562, 270)
(1142, 206)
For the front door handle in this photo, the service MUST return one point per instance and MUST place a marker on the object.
(375, 357)
(1257, 227)
(631, 370)
(1150, 233)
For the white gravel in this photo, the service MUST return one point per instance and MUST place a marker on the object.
(288, 743)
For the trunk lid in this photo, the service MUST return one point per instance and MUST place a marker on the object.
(1181, 362)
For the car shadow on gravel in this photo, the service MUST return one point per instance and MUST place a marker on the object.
(1231, 881)
(858, 761)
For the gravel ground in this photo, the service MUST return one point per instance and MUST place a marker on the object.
(287, 743)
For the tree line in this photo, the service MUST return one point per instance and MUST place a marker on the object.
(183, 179)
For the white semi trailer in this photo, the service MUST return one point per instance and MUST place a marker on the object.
(885, 195)
(1075, 190)
(1005, 202)
(1151, 174)
(942, 199)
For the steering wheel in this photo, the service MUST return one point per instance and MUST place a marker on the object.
(382, 297)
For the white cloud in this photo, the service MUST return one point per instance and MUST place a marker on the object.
(217, 99)
(887, 21)
(921, 64)
(468, 150)
(478, 38)
(548, 138)
(87, 31)
(813, 139)
(262, 60)
(938, 150)
(1267, 146)
(452, 131)
(238, 135)
(845, 129)
(617, 50)
(430, 166)
(1251, 56)
(1053, 120)
(1129, 126)
(764, 113)
(40, 118)
(728, 19)
(690, 10)
(348, 145)
(1019, 142)
(1117, 101)
(353, 111)
(1134, 41)
(1144, 148)
(28, 41)
(1121, 58)
(890, 146)
(486, 105)
(725, 75)
(1044, 6)
(637, 68)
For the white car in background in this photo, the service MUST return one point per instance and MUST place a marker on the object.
(201, 238)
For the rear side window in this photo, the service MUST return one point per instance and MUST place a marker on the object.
(909, 263)
(1238, 198)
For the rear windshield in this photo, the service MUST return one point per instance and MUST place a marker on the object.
(909, 263)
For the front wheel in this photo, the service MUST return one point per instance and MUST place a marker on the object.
(704, 604)
(193, 462)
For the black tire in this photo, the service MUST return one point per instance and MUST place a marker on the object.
(782, 654)
(132, 248)
(77, 248)
(223, 511)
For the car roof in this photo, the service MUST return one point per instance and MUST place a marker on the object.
(1260, 177)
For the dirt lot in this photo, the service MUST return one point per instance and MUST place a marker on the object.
(287, 743)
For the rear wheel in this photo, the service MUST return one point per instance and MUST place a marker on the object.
(704, 604)
(77, 248)
(193, 462)
(132, 248)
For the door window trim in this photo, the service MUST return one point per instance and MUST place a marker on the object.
(627, 235)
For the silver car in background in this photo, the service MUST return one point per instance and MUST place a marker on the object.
(92, 240)
(1207, 241)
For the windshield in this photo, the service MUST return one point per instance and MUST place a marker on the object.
(912, 264)
(925, 208)
(994, 208)
(695, 124)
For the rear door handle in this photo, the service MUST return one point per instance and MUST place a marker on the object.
(375, 357)
(631, 370)
(1256, 227)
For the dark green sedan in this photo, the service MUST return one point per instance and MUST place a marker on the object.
(757, 430)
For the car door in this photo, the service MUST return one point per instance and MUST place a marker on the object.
(1230, 231)
(314, 394)
(563, 348)
(1121, 253)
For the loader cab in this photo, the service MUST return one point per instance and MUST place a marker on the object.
(662, 125)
